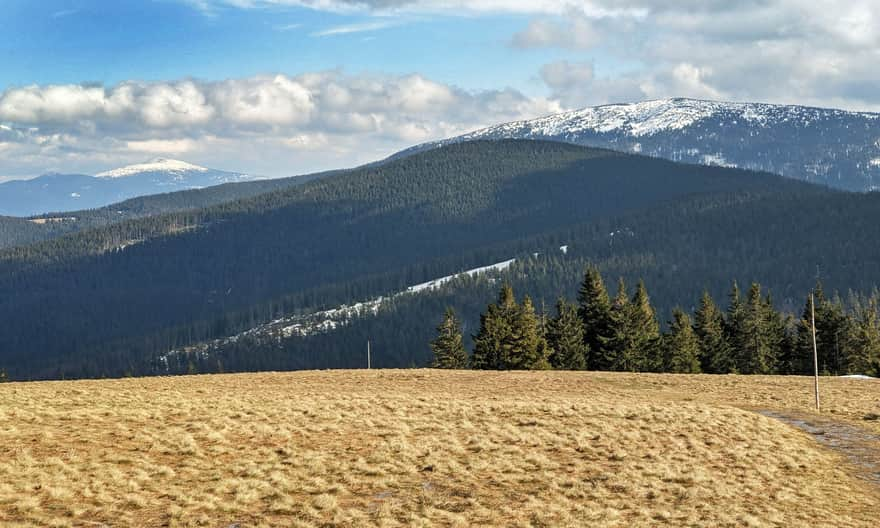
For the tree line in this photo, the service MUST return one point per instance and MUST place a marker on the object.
(622, 333)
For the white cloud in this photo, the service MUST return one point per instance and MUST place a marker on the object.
(453, 7)
(820, 53)
(577, 32)
(355, 28)
(162, 146)
(274, 125)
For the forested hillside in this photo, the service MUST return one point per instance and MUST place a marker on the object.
(16, 231)
(113, 300)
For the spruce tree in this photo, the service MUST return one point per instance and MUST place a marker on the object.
(617, 347)
(833, 324)
(734, 325)
(755, 350)
(681, 347)
(831, 335)
(494, 329)
(779, 336)
(448, 348)
(566, 338)
(487, 342)
(646, 330)
(525, 348)
(594, 310)
(715, 353)
(864, 340)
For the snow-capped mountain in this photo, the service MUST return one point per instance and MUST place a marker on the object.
(834, 147)
(157, 165)
(69, 192)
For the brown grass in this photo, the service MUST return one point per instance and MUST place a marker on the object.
(425, 448)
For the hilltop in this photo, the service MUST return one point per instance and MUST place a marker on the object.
(832, 147)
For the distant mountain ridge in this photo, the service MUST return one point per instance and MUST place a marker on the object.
(837, 148)
(67, 192)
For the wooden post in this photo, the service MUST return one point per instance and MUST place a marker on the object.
(815, 352)
(368, 354)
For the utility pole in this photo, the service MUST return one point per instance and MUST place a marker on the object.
(815, 352)
(368, 354)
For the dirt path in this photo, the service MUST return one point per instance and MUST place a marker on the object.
(860, 446)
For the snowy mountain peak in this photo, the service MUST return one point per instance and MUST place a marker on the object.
(647, 118)
(156, 165)
(832, 147)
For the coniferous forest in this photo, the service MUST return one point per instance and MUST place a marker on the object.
(622, 333)
(117, 299)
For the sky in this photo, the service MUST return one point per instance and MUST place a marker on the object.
(285, 87)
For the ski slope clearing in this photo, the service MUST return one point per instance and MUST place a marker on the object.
(428, 448)
(302, 325)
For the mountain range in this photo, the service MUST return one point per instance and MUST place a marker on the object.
(68, 192)
(299, 272)
(117, 299)
(837, 148)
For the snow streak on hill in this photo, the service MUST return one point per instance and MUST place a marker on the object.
(328, 320)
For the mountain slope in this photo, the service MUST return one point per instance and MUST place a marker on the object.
(15, 231)
(141, 287)
(680, 249)
(68, 192)
(826, 146)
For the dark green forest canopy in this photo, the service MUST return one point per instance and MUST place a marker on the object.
(23, 231)
(83, 308)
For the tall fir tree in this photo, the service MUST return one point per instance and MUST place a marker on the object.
(734, 325)
(715, 352)
(681, 346)
(494, 333)
(833, 324)
(646, 330)
(565, 336)
(779, 335)
(594, 310)
(525, 348)
(831, 335)
(755, 354)
(864, 340)
(448, 346)
(635, 333)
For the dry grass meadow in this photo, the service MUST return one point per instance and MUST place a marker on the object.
(428, 448)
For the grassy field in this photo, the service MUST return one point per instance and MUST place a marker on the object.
(428, 448)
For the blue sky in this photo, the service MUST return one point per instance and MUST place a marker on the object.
(279, 87)
(77, 41)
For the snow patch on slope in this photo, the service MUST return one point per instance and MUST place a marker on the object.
(327, 320)
(156, 165)
(436, 283)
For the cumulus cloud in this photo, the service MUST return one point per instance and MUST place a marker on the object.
(356, 118)
(786, 51)
(577, 32)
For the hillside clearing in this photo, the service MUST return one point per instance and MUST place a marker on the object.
(421, 447)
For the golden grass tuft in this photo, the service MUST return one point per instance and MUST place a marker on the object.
(427, 448)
